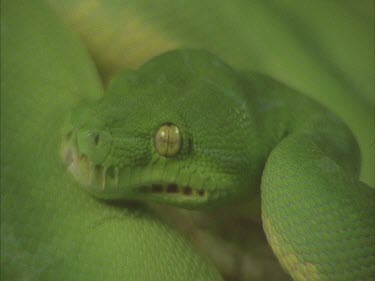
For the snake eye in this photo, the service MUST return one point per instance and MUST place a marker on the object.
(168, 140)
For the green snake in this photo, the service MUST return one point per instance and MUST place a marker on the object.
(51, 230)
(186, 129)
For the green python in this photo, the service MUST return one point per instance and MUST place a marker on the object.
(187, 130)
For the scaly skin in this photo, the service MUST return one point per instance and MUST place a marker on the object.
(226, 133)
(50, 228)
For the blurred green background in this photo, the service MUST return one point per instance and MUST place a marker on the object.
(50, 228)
(323, 48)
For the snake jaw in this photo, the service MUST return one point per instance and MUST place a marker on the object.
(103, 181)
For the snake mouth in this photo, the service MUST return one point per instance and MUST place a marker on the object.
(172, 189)
(105, 181)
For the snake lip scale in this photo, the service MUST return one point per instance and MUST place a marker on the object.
(90, 174)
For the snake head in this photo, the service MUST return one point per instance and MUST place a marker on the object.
(158, 134)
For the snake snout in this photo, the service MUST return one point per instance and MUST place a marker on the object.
(69, 148)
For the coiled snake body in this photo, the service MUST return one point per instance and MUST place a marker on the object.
(188, 130)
